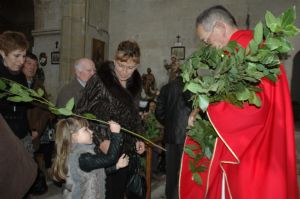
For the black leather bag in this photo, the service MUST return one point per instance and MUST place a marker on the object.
(137, 185)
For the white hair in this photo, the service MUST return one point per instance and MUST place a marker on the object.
(77, 65)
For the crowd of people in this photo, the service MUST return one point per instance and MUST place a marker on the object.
(92, 160)
(111, 94)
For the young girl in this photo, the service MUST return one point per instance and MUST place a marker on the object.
(78, 165)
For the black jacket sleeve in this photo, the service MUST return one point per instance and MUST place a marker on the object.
(111, 170)
(161, 105)
(89, 162)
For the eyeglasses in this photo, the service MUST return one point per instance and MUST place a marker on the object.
(123, 66)
(90, 70)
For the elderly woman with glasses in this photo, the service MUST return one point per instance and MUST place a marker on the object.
(113, 94)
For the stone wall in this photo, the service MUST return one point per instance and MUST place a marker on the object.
(47, 31)
(154, 24)
(73, 24)
(47, 14)
(44, 42)
(97, 25)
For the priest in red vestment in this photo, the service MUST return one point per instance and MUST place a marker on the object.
(254, 155)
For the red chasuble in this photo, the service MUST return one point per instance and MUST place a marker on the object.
(254, 156)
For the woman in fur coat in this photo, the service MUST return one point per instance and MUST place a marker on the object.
(113, 94)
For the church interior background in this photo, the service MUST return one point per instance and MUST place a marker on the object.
(61, 31)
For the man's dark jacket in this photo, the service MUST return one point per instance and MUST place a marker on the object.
(172, 111)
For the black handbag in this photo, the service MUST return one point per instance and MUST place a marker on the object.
(137, 185)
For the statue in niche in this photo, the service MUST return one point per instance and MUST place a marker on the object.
(148, 81)
(172, 68)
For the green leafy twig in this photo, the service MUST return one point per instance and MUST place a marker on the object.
(152, 126)
(16, 92)
(233, 74)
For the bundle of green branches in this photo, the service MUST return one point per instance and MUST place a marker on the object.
(232, 74)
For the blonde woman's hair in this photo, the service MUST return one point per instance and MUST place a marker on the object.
(63, 142)
(128, 50)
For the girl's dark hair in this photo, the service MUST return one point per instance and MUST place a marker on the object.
(32, 56)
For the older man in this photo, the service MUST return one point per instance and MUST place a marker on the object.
(84, 70)
(254, 156)
(37, 116)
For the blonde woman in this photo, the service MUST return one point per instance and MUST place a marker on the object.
(113, 93)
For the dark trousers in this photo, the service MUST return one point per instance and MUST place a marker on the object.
(173, 159)
(116, 184)
(47, 150)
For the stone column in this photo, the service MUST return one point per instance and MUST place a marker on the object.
(72, 37)
(47, 37)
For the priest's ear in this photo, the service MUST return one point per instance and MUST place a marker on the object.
(222, 34)
(220, 26)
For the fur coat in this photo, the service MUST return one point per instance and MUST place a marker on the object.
(104, 97)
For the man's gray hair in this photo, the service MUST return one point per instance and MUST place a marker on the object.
(77, 65)
(210, 16)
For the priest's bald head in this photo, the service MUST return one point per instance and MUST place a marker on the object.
(215, 26)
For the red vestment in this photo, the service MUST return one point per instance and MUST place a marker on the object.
(255, 151)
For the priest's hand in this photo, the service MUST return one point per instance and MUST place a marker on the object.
(192, 117)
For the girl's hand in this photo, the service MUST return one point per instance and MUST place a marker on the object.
(123, 161)
(114, 127)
